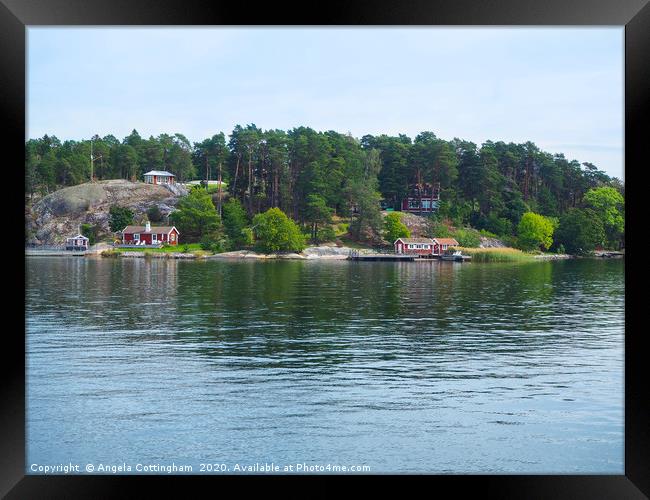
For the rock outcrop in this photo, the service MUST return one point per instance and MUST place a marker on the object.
(60, 214)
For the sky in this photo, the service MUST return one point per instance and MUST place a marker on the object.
(561, 88)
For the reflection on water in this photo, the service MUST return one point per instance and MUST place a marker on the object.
(406, 367)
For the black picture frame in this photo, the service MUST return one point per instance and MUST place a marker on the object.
(15, 15)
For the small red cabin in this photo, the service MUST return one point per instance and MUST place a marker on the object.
(424, 246)
(441, 245)
(150, 235)
(418, 246)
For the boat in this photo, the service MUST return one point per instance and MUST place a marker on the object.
(455, 256)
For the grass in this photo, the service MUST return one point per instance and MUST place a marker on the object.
(183, 247)
(348, 242)
(505, 254)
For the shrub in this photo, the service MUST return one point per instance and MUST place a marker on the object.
(394, 227)
(325, 234)
(214, 243)
(580, 231)
(154, 214)
(275, 232)
(247, 237)
(468, 237)
(535, 231)
(119, 218)
(90, 231)
(439, 229)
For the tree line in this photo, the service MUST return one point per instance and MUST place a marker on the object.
(311, 175)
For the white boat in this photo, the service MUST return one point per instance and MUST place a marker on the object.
(456, 256)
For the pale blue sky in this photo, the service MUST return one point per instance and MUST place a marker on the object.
(561, 88)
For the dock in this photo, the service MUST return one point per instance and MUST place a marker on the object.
(381, 256)
(54, 253)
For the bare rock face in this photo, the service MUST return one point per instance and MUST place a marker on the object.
(419, 227)
(491, 243)
(60, 214)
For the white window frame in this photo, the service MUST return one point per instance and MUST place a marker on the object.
(136, 236)
(154, 237)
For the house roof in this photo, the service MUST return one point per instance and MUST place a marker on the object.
(154, 229)
(79, 236)
(415, 240)
(446, 241)
(162, 173)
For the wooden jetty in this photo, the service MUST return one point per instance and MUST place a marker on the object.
(54, 253)
(355, 255)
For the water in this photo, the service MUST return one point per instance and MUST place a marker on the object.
(431, 367)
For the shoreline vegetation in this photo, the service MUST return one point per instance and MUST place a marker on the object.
(504, 254)
(480, 255)
(280, 192)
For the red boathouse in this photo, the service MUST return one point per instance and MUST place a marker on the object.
(418, 246)
(150, 235)
(424, 247)
(441, 245)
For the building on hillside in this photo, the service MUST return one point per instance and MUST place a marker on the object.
(422, 199)
(150, 235)
(79, 242)
(159, 177)
(424, 247)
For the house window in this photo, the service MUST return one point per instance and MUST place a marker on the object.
(154, 238)
(136, 236)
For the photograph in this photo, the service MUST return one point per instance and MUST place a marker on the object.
(324, 250)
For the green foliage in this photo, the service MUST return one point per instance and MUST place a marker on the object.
(498, 225)
(367, 222)
(324, 234)
(119, 218)
(313, 175)
(439, 229)
(394, 227)
(535, 231)
(196, 216)
(497, 255)
(154, 214)
(214, 243)
(317, 213)
(91, 231)
(580, 231)
(247, 237)
(487, 234)
(275, 232)
(234, 220)
(467, 237)
(608, 205)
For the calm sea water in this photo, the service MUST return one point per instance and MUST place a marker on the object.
(432, 367)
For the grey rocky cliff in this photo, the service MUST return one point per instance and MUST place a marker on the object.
(60, 214)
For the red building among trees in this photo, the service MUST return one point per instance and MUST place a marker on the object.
(150, 235)
(425, 247)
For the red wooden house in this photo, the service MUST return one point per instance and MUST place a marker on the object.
(150, 235)
(426, 247)
(418, 246)
(441, 245)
